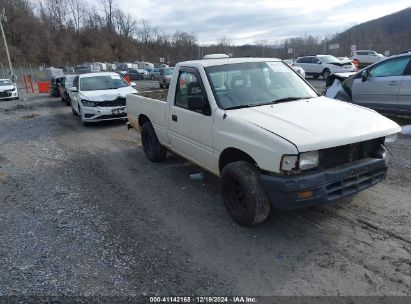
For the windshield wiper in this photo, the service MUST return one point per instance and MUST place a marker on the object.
(288, 99)
(242, 106)
(268, 103)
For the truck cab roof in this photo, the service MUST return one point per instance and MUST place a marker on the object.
(223, 61)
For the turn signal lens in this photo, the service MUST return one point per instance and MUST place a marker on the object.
(305, 194)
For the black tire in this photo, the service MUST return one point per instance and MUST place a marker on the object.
(161, 85)
(152, 77)
(326, 73)
(245, 198)
(154, 151)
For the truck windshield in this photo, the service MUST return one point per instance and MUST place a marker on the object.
(103, 82)
(256, 83)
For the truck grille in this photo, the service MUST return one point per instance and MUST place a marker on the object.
(114, 103)
(354, 184)
(337, 156)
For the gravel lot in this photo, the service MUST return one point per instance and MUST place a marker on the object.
(84, 213)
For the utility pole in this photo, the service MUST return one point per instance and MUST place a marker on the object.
(4, 18)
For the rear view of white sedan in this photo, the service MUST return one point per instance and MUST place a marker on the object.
(100, 96)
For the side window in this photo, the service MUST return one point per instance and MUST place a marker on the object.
(315, 60)
(187, 86)
(394, 67)
(75, 82)
(408, 69)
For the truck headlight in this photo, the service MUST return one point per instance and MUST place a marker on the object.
(289, 162)
(391, 138)
(88, 103)
(308, 160)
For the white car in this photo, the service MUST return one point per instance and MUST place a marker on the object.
(384, 86)
(100, 96)
(299, 70)
(367, 57)
(8, 89)
(268, 135)
(323, 65)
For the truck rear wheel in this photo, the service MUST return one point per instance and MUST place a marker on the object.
(154, 151)
(244, 197)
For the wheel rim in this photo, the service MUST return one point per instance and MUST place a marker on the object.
(236, 197)
(326, 74)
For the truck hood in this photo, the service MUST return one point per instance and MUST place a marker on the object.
(107, 95)
(318, 123)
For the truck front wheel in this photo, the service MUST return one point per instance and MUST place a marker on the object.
(154, 151)
(244, 197)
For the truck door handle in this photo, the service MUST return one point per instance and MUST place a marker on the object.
(393, 83)
(174, 117)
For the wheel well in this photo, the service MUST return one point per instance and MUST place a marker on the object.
(231, 155)
(142, 119)
(326, 69)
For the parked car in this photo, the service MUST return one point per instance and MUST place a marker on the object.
(100, 96)
(323, 65)
(8, 89)
(143, 74)
(81, 69)
(54, 85)
(384, 86)
(165, 77)
(132, 74)
(136, 74)
(268, 135)
(366, 57)
(64, 88)
(154, 74)
(299, 70)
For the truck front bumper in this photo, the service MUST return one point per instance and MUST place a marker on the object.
(324, 186)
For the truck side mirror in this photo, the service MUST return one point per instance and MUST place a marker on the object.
(196, 103)
(364, 76)
(73, 89)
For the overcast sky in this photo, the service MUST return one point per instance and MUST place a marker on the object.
(247, 21)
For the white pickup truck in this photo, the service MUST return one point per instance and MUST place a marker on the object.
(270, 137)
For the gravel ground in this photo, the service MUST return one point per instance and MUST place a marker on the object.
(84, 213)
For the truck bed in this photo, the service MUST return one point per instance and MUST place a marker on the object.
(153, 105)
(157, 94)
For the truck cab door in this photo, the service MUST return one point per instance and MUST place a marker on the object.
(191, 120)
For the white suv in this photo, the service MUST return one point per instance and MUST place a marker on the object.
(366, 57)
(323, 65)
